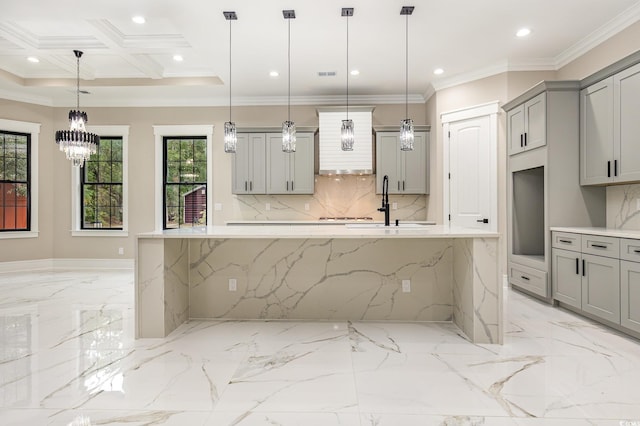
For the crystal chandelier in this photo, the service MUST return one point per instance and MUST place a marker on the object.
(288, 126)
(230, 135)
(346, 131)
(77, 144)
(406, 125)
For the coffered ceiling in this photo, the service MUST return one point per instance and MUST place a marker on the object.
(133, 64)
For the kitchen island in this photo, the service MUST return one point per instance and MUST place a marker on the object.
(357, 272)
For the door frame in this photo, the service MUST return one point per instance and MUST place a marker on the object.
(490, 109)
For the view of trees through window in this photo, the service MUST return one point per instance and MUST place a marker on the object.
(185, 182)
(101, 183)
(14, 181)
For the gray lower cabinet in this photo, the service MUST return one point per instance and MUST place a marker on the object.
(630, 295)
(601, 287)
(567, 277)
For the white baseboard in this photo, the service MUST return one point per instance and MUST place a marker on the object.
(65, 264)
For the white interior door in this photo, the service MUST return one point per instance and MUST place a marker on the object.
(470, 187)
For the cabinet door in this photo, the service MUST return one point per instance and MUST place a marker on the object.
(627, 125)
(566, 280)
(257, 163)
(240, 167)
(630, 295)
(596, 133)
(515, 130)
(278, 181)
(601, 287)
(535, 122)
(414, 165)
(388, 161)
(301, 168)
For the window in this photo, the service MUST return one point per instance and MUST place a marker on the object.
(185, 181)
(202, 132)
(14, 181)
(101, 186)
(18, 179)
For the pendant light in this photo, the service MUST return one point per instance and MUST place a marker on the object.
(230, 136)
(288, 126)
(346, 131)
(406, 125)
(77, 143)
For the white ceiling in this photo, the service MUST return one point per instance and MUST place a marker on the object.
(131, 64)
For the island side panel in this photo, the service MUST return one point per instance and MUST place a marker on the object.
(149, 288)
(176, 283)
(487, 292)
(348, 279)
(463, 315)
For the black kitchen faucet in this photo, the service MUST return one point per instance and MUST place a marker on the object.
(385, 199)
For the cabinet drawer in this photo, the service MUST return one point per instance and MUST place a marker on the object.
(630, 250)
(566, 241)
(529, 279)
(601, 246)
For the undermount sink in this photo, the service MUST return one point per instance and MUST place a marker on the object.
(381, 225)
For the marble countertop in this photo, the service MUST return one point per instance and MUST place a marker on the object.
(605, 232)
(317, 222)
(328, 231)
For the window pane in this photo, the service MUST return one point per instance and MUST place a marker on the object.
(116, 150)
(116, 217)
(104, 195)
(14, 191)
(116, 195)
(173, 172)
(200, 171)
(171, 194)
(186, 148)
(200, 150)
(91, 171)
(104, 150)
(21, 169)
(116, 172)
(104, 174)
(186, 172)
(172, 217)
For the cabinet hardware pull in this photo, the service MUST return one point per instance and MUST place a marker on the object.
(598, 246)
(398, 185)
(521, 140)
(615, 167)
(584, 272)
(403, 185)
(524, 278)
(565, 241)
(251, 186)
(245, 185)
(292, 185)
(608, 168)
(482, 220)
(287, 185)
(577, 266)
(636, 251)
(525, 138)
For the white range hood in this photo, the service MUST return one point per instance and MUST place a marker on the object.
(332, 159)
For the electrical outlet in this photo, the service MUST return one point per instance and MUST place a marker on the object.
(306, 206)
(406, 286)
(121, 250)
(233, 284)
(267, 206)
(217, 207)
(394, 206)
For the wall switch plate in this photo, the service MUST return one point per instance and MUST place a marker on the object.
(121, 250)
(306, 206)
(394, 206)
(267, 206)
(406, 286)
(233, 284)
(217, 207)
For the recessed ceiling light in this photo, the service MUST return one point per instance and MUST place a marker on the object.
(177, 58)
(274, 73)
(355, 72)
(523, 32)
(139, 19)
(438, 71)
(33, 59)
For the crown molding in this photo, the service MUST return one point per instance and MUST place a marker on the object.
(29, 99)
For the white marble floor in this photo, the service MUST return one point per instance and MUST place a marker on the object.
(68, 356)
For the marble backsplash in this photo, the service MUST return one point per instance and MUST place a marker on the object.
(623, 207)
(335, 196)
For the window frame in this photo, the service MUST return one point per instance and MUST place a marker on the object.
(32, 130)
(161, 131)
(113, 131)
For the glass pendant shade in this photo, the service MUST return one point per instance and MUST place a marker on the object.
(406, 134)
(230, 137)
(346, 135)
(288, 136)
(77, 144)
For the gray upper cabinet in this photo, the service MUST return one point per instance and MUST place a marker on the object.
(290, 173)
(407, 170)
(526, 125)
(249, 164)
(609, 129)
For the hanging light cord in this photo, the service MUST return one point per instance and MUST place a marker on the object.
(289, 71)
(406, 79)
(347, 67)
(78, 82)
(230, 70)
